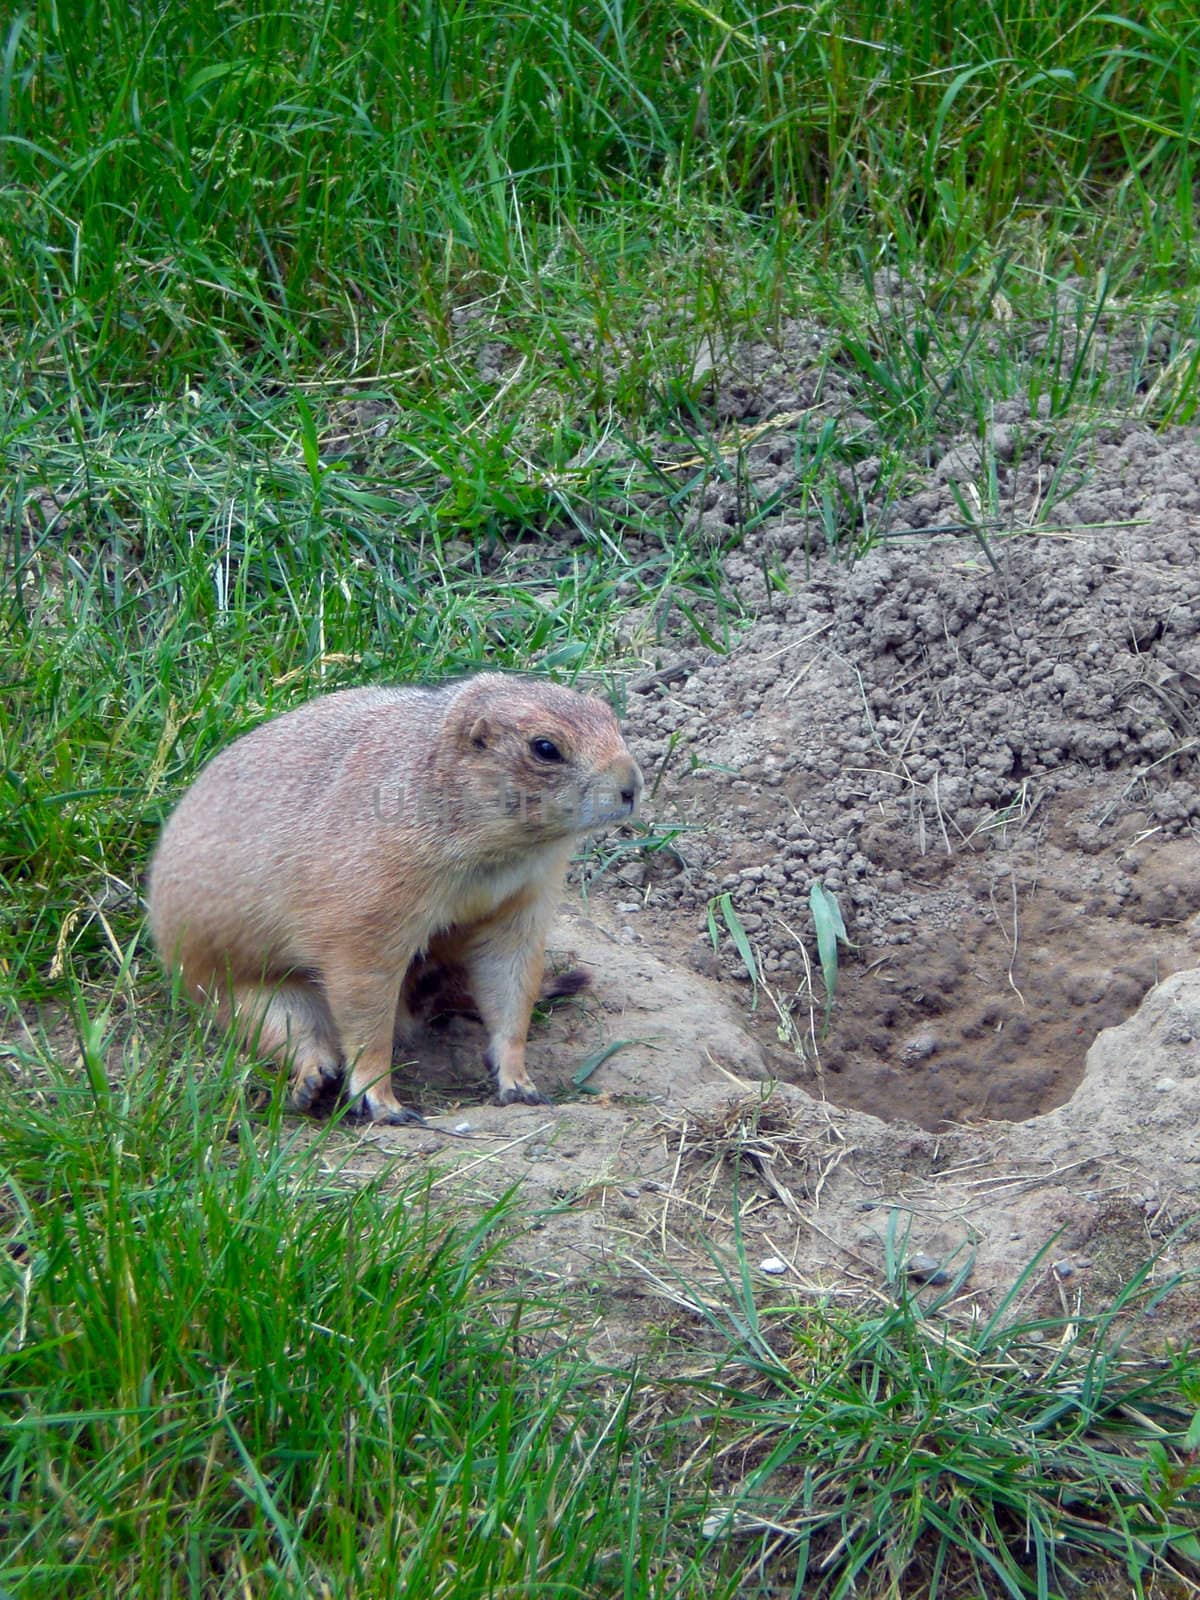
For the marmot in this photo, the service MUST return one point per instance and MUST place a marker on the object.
(324, 855)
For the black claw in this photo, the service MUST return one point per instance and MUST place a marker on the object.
(404, 1118)
(516, 1094)
(312, 1090)
(361, 1110)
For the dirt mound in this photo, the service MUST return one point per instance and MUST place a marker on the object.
(989, 756)
(635, 1184)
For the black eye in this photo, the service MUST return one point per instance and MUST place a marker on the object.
(546, 750)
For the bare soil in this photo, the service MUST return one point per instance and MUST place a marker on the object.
(994, 770)
(630, 1190)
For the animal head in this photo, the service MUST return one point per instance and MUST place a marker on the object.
(541, 761)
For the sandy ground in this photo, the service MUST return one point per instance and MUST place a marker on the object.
(633, 1185)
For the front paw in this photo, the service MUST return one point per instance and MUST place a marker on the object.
(521, 1094)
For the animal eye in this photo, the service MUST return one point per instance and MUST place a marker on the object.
(546, 750)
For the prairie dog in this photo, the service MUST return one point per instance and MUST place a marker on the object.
(321, 855)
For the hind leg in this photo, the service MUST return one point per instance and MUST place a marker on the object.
(291, 1023)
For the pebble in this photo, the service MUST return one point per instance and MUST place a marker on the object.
(631, 1191)
(919, 1048)
(773, 1265)
(462, 1127)
(926, 1269)
(1064, 1269)
(1165, 1085)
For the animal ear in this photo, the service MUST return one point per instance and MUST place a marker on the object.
(479, 734)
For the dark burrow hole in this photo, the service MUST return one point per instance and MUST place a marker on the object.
(954, 1027)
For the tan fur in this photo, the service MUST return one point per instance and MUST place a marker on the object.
(320, 856)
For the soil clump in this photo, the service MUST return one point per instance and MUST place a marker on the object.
(990, 756)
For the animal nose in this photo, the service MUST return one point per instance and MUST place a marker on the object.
(630, 782)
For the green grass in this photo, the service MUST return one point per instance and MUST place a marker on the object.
(233, 1365)
(913, 1450)
(344, 343)
(180, 180)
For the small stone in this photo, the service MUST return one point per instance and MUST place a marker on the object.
(925, 1269)
(462, 1127)
(919, 1048)
(1165, 1085)
(1064, 1269)
(631, 1191)
(773, 1265)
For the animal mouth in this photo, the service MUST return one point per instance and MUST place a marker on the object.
(601, 809)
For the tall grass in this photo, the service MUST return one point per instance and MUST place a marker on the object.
(907, 1449)
(520, 231)
(179, 182)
